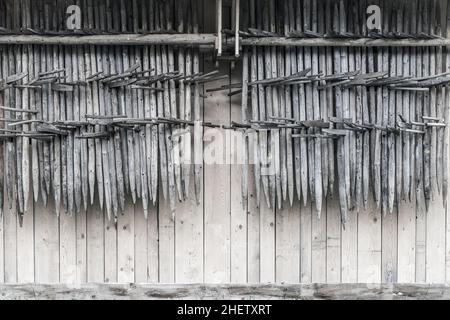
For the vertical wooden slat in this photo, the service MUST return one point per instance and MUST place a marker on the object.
(140, 245)
(407, 209)
(10, 244)
(95, 244)
(125, 244)
(305, 244)
(288, 245)
(319, 247)
(25, 246)
(238, 236)
(189, 242)
(446, 27)
(110, 250)
(46, 243)
(152, 247)
(81, 247)
(217, 181)
(407, 242)
(267, 244)
(2, 252)
(253, 233)
(166, 242)
(68, 248)
(435, 243)
(390, 247)
(333, 241)
(436, 230)
(189, 215)
(369, 244)
(349, 249)
(421, 217)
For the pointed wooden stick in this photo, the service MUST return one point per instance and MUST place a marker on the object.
(317, 114)
(281, 68)
(56, 115)
(255, 107)
(263, 114)
(153, 112)
(291, 178)
(161, 129)
(198, 134)
(340, 113)
(399, 161)
(308, 60)
(185, 167)
(324, 101)
(426, 112)
(27, 95)
(167, 113)
(273, 110)
(102, 57)
(303, 164)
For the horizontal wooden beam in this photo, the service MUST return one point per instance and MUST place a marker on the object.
(209, 41)
(112, 39)
(239, 292)
(337, 42)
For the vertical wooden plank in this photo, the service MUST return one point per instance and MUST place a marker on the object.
(95, 244)
(445, 6)
(217, 178)
(435, 243)
(421, 218)
(253, 234)
(189, 241)
(10, 242)
(349, 259)
(140, 245)
(319, 246)
(68, 248)
(288, 245)
(153, 246)
(166, 242)
(333, 241)
(305, 244)
(125, 244)
(238, 236)
(189, 246)
(46, 243)
(407, 242)
(110, 250)
(2, 251)
(369, 244)
(25, 246)
(389, 258)
(81, 247)
(267, 242)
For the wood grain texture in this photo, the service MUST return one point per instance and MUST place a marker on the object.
(95, 245)
(126, 254)
(216, 241)
(369, 244)
(288, 245)
(46, 244)
(217, 182)
(231, 292)
(2, 253)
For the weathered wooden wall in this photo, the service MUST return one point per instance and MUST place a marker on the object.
(218, 242)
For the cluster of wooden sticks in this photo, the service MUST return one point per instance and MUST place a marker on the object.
(347, 120)
(95, 123)
(355, 119)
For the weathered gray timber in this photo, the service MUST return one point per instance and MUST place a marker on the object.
(226, 292)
